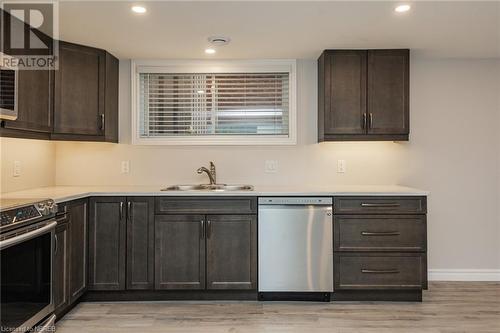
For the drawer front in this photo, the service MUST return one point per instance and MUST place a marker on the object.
(206, 205)
(380, 233)
(380, 205)
(379, 271)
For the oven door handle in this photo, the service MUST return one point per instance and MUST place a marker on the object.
(28, 235)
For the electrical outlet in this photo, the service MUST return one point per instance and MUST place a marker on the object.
(341, 166)
(271, 166)
(125, 166)
(17, 169)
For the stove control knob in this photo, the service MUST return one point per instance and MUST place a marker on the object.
(53, 207)
(43, 209)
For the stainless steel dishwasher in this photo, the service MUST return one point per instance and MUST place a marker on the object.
(295, 248)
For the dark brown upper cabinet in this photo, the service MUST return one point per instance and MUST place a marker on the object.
(34, 111)
(78, 101)
(85, 94)
(363, 95)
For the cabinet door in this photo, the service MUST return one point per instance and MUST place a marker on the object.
(179, 252)
(79, 90)
(140, 243)
(77, 213)
(388, 92)
(231, 251)
(61, 267)
(34, 102)
(342, 80)
(107, 232)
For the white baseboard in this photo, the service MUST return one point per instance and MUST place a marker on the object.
(464, 274)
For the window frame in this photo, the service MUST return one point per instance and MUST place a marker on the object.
(216, 66)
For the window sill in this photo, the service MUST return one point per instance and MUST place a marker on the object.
(217, 141)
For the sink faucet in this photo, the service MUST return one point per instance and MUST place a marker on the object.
(211, 173)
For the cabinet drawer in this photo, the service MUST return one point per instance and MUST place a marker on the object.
(380, 205)
(379, 271)
(380, 233)
(206, 205)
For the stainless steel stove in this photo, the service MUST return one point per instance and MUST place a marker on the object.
(26, 248)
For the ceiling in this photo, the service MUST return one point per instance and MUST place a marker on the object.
(258, 29)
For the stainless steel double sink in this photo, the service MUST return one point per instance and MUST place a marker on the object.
(209, 187)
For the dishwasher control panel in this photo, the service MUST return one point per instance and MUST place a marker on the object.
(296, 201)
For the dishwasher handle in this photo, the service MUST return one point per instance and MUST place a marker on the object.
(296, 201)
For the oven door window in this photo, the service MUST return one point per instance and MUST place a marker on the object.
(26, 277)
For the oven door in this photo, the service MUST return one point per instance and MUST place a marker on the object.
(26, 276)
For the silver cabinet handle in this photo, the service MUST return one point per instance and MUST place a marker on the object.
(202, 229)
(371, 120)
(391, 204)
(121, 210)
(379, 271)
(363, 124)
(102, 122)
(381, 233)
(129, 210)
(56, 244)
(209, 229)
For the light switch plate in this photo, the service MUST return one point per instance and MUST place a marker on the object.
(125, 166)
(271, 166)
(341, 166)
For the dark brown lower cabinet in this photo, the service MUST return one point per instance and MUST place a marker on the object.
(195, 252)
(380, 248)
(140, 243)
(77, 213)
(61, 266)
(70, 254)
(231, 252)
(372, 271)
(107, 237)
(180, 252)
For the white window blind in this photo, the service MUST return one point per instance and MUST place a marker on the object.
(213, 104)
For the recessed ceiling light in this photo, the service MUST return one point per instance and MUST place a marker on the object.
(402, 8)
(209, 51)
(200, 91)
(138, 9)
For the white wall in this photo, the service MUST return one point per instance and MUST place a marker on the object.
(454, 152)
(38, 163)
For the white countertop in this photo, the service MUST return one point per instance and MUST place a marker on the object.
(66, 193)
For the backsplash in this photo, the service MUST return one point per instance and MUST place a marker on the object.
(37, 163)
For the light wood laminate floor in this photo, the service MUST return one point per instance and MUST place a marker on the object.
(449, 307)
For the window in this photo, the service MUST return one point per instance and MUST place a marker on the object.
(236, 102)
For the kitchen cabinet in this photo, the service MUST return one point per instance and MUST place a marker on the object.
(380, 248)
(180, 252)
(34, 119)
(61, 266)
(85, 94)
(70, 254)
(78, 101)
(231, 251)
(204, 243)
(121, 241)
(107, 237)
(140, 243)
(363, 95)
(77, 212)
